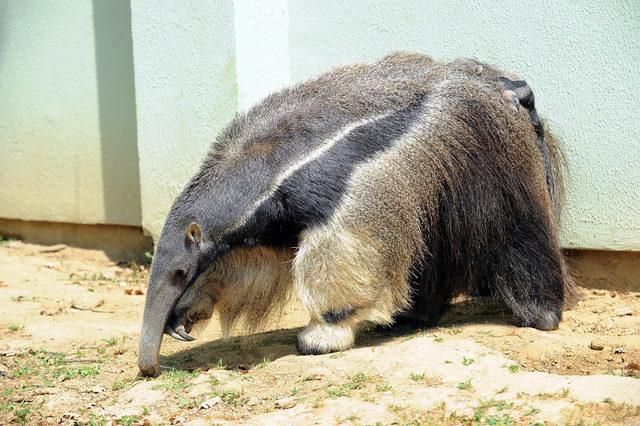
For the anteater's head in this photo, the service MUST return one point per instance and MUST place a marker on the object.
(212, 216)
(181, 253)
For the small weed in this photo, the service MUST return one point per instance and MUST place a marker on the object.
(5, 240)
(336, 392)
(466, 385)
(531, 411)
(448, 362)
(294, 391)
(562, 393)
(505, 420)
(22, 415)
(607, 400)
(68, 373)
(467, 361)
(88, 277)
(498, 404)
(145, 411)
(417, 377)
(438, 339)
(185, 402)
(336, 355)
(513, 368)
(357, 381)
(426, 380)
(220, 365)
(129, 420)
(118, 385)
(15, 327)
(383, 387)
(97, 420)
(175, 380)
(352, 418)
(502, 390)
(265, 361)
(111, 341)
(229, 397)
(22, 371)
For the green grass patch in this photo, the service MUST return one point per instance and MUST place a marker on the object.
(467, 361)
(417, 377)
(111, 341)
(5, 240)
(118, 385)
(129, 420)
(513, 368)
(175, 380)
(383, 387)
(227, 396)
(83, 371)
(466, 385)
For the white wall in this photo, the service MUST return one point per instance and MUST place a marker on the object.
(67, 113)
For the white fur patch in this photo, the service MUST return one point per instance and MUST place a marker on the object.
(313, 155)
(327, 337)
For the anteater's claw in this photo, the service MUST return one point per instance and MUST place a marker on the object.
(183, 333)
(171, 332)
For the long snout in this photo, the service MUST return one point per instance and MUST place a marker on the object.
(158, 307)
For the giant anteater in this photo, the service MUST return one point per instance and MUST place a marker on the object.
(372, 192)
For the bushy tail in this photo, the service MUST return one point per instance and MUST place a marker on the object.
(558, 167)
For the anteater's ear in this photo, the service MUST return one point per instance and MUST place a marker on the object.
(478, 69)
(194, 233)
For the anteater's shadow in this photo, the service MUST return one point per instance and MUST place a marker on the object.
(247, 352)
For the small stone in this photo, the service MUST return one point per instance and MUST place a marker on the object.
(623, 311)
(253, 401)
(633, 366)
(620, 350)
(54, 248)
(210, 403)
(69, 416)
(221, 376)
(284, 403)
(122, 284)
(86, 305)
(51, 309)
(13, 352)
(96, 389)
(596, 346)
(177, 420)
(52, 265)
(142, 394)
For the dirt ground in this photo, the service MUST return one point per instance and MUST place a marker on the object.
(70, 319)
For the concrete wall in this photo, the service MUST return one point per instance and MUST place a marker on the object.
(67, 113)
(185, 78)
(581, 58)
(69, 110)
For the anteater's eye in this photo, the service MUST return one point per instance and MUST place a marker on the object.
(179, 274)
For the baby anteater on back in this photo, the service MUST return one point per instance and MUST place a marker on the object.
(372, 192)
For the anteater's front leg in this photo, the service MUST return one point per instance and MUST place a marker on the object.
(341, 278)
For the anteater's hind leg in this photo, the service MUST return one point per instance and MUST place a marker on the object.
(430, 300)
(529, 278)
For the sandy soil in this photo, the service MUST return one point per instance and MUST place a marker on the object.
(70, 319)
